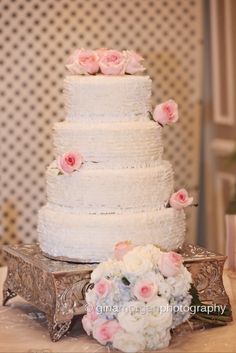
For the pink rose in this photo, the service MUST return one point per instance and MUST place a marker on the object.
(112, 62)
(72, 63)
(69, 162)
(83, 62)
(102, 288)
(105, 330)
(133, 62)
(145, 290)
(180, 199)
(122, 248)
(101, 51)
(170, 263)
(88, 320)
(166, 113)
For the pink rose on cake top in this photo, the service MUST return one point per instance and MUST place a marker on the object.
(104, 61)
(112, 62)
(83, 62)
(133, 62)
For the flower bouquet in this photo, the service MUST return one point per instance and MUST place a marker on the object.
(137, 297)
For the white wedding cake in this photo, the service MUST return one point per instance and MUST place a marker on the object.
(122, 188)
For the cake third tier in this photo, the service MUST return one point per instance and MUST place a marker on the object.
(111, 190)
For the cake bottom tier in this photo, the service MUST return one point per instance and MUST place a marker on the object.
(91, 237)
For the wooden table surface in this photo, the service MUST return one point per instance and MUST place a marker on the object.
(23, 328)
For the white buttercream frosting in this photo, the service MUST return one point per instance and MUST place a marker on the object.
(91, 238)
(111, 190)
(111, 145)
(121, 189)
(104, 98)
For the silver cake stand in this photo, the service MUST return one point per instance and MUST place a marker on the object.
(58, 287)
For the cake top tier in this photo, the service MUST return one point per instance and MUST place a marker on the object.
(103, 87)
(101, 98)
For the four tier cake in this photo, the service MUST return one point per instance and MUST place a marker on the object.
(122, 186)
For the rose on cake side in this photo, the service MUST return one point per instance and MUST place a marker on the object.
(180, 199)
(104, 61)
(69, 162)
(165, 113)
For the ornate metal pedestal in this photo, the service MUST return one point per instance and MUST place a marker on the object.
(58, 288)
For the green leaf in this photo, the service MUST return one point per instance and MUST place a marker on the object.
(125, 281)
(150, 116)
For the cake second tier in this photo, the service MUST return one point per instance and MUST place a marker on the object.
(111, 190)
(110, 145)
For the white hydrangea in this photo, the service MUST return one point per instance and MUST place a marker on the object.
(156, 339)
(164, 288)
(108, 268)
(159, 313)
(180, 284)
(129, 342)
(132, 316)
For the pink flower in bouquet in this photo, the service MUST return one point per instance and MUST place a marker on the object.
(122, 248)
(133, 62)
(170, 263)
(180, 199)
(88, 319)
(69, 162)
(105, 330)
(145, 290)
(102, 288)
(166, 113)
(112, 62)
(83, 62)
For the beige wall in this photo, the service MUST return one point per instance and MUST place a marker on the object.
(37, 36)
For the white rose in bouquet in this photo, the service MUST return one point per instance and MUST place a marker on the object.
(136, 264)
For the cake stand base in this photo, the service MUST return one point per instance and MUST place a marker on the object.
(58, 288)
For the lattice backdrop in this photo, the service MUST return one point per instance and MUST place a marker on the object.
(37, 36)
